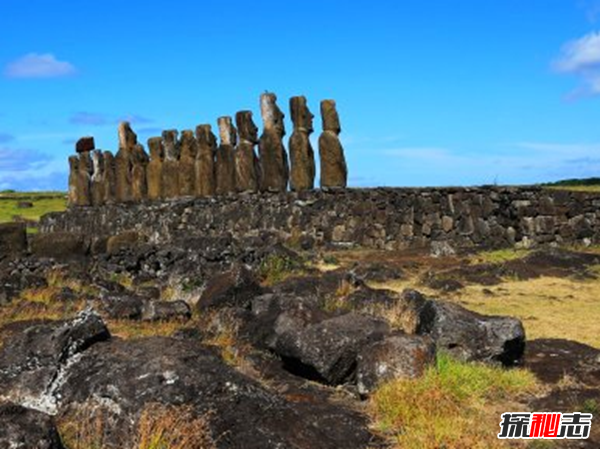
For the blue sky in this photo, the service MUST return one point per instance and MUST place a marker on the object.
(429, 92)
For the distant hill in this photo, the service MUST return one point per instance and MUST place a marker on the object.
(576, 182)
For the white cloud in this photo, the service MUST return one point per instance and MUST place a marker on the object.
(34, 65)
(581, 57)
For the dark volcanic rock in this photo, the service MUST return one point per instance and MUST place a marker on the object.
(59, 245)
(166, 310)
(33, 362)
(24, 428)
(236, 287)
(121, 306)
(85, 144)
(13, 239)
(470, 336)
(128, 375)
(398, 356)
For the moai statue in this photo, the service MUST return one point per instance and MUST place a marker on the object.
(97, 181)
(225, 160)
(273, 158)
(187, 164)
(334, 173)
(154, 171)
(206, 184)
(84, 180)
(139, 186)
(170, 179)
(246, 161)
(73, 197)
(302, 157)
(110, 178)
(124, 163)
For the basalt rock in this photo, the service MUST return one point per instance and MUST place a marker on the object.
(246, 162)
(22, 427)
(273, 158)
(225, 160)
(154, 171)
(334, 172)
(170, 173)
(13, 239)
(205, 179)
(302, 158)
(85, 145)
(187, 162)
(59, 245)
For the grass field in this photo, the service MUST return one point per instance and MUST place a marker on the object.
(43, 203)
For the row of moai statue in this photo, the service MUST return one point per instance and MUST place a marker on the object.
(194, 165)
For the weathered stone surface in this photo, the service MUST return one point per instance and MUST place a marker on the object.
(97, 179)
(236, 287)
(187, 164)
(470, 336)
(129, 375)
(110, 178)
(123, 240)
(334, 172)
(21, 427)
(80, 180)
(13, 239)
(154, 171)
(124, 161)
(166, 310)
(121, 306)
(59, 245)
(246, 162)
(170, 173)
(273, 158)
(33, 362)
(85, 145)
(205, 178)
(139, 186)
(398, 356)
(302, 158)
(225, 158)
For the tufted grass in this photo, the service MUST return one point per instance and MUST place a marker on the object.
(454, 405)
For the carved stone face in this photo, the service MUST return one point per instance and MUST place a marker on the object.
(205, 136)
(329, 115)
(170, 144)
(187, 144)
(301, 116)
(85, 162)
(247, 130)
(271, 114)
(127, 138)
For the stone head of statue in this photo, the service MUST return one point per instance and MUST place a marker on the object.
(301, 116)
(205, 136)
(227, 131)
(271, 114)
(85, 162)
(157, 151)
(188, 143)
(247, 130)
(329, 115)
(169, 138)
(74, 163)
(127, 138)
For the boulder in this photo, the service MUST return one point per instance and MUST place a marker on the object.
(166, 310)
(121, 306)
(120, 378)
(236, 287)
(123, 241)
(21, 427)
(33, 362)
(59, 245)
(398, 356)
(13, 239)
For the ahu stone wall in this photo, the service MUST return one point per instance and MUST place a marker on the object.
(382, 218)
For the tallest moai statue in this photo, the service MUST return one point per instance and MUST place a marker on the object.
(334, 172)
(273, 158)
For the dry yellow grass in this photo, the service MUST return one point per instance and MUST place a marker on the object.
(549, 307)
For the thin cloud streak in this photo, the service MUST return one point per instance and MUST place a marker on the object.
(35, 65)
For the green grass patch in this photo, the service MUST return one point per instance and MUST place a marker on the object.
(43, 203)
(276, 268)
(453, 405)
(500, 255)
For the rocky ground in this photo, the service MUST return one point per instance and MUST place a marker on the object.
(214, 342)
